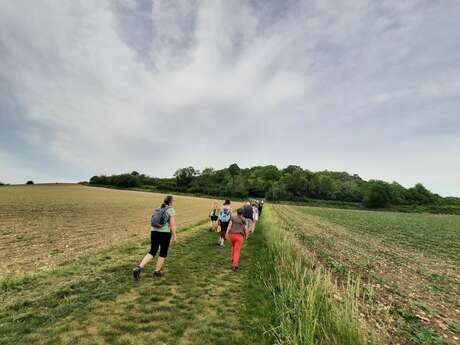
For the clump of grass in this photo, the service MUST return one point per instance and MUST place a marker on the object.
(418, 332)
(309, 306)
(453, 326)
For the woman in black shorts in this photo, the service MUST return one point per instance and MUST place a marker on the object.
(160, 239)
(214, 216)
(225, 215)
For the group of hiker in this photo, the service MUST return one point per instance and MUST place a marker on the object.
(234, 227)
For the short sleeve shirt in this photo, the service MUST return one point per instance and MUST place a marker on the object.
(238, 225)
(169, 213)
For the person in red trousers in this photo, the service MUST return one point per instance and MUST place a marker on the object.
(237, 232)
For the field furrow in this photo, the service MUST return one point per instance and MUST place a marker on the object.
(41, 226)
(403, 282)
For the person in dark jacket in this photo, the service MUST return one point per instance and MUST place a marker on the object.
(248, 214)
(261, 206)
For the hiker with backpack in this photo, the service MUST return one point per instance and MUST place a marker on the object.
(214, 216)
(163, 230)
(225, 216)
(237, 232)
(248, 214)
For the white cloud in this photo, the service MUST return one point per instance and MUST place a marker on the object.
(103, 87)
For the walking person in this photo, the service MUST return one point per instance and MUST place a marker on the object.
(261, 205)
(255, 214)
(237, 232)
(248, 214)
(214, 216)
(225, 216)
(163, 230)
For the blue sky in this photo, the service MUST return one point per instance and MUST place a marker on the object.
(101, 87)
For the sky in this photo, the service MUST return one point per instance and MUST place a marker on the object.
(102, 87)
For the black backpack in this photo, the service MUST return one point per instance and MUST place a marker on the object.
(247, 211)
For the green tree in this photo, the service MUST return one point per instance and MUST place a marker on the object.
(420, 195)
(125, 180)
(348, 191)
(185, 176)
(234, 170)
(377, 194)
(278, 192)
(291, 183)
(294, 183)
(236, 187)
(30, 182)
(326, 186)
(101, 180)
(291, 168)
(323, 186)
(207, 172)
(398, 194)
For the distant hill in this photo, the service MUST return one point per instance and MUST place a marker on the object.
(292, 183)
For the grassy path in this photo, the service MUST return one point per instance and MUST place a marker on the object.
(95, 301)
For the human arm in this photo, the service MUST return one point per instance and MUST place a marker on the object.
(228, 229)
(172, 226)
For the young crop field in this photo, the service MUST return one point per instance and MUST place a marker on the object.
(408, 265)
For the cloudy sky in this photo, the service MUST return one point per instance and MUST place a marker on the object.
(101, 87)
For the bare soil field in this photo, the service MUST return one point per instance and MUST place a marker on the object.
(41, 225)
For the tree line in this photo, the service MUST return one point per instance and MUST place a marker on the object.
(292, 183)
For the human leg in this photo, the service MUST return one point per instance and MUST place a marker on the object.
(164, 239)
(154, 244)
(223, 231)
(237, 241)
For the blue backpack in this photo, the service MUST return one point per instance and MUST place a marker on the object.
(224, 215)
(159, 217)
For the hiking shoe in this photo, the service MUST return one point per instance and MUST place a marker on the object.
(137, 273)
(158, 274)
(235, 269)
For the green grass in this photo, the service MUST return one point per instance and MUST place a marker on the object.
(434, 235)
(418, 333)
(94, 299)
